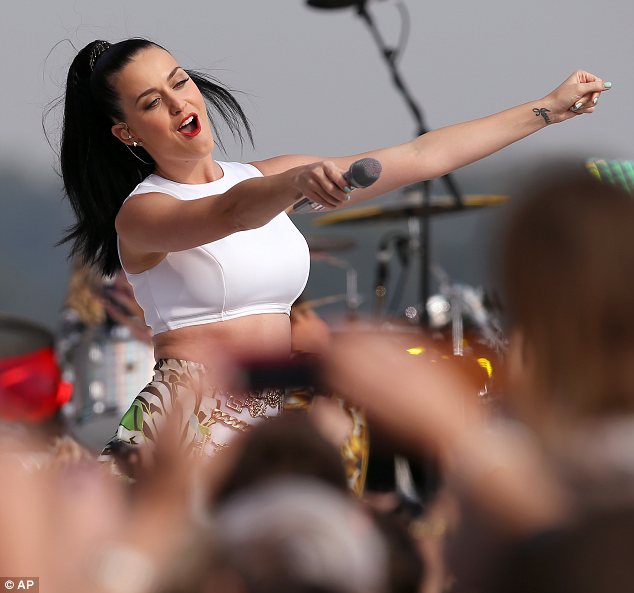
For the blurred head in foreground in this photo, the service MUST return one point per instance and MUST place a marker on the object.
(31, 387)
(293, 535)
(567, 258)
(287, 446)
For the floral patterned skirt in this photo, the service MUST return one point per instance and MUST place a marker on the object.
(206, 419)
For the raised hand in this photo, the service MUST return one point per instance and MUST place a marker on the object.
(578, 94)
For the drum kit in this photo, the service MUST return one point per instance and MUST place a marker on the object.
(108, 366)
(105, 361)
(455, 325)
(446, 313)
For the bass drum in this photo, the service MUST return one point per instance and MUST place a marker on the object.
(108, 367)
(394, 465)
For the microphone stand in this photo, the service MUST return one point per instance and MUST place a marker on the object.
(425, 186)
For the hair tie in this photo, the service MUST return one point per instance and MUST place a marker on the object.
(96, 51)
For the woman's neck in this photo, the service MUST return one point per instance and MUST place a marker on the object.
(191, 172)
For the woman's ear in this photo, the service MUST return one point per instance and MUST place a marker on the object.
(122, 133)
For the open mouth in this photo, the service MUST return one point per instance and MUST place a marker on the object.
(190, 126)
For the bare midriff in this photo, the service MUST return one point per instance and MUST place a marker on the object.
(246, 338)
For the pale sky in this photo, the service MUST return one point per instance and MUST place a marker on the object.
(315, 83)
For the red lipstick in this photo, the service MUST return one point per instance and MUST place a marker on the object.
(190, 126)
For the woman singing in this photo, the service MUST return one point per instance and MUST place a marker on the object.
(207, 246)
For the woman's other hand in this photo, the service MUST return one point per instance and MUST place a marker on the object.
(578, 94)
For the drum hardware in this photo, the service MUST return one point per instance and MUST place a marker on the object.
(457, 326)
(401, 245)
(424, 187)
(438, 311)
(353, 298)
(321, 249)
(468, 302)
(385, 252)
(318, 244)
(488, 325)
(406, 247)
(420, 206)
(448, 310)
(390, 56)
(319, 302)
(410, 207)
(108, 368)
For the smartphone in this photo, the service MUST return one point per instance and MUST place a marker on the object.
(298, 371)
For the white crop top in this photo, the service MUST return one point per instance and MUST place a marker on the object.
(250, 272)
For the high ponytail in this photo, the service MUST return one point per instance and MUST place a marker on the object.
(98, 170)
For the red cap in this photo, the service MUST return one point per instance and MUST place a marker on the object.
(31, 388)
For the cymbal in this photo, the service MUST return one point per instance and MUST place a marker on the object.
(320, 302)
(329, 243)
(409, 208)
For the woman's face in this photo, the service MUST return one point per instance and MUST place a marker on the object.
(163, 108)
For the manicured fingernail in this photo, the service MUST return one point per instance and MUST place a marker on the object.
(347, 197)
(595, 100)
(578, 105)
(347, 189)
(607, 85)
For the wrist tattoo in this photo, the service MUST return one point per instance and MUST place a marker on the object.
(544, 113)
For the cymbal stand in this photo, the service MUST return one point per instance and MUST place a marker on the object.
(466, 301)
(457, 323)
(390, 56)
(453, 294)
(353, 299)
(472, 303)
(392, 242)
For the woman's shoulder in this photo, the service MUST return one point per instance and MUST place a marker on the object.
(151, 184)
(241, 169)
(233, 172)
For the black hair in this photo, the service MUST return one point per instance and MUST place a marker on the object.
(97, 169)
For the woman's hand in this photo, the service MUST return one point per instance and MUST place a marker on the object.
(323, 183)
(578, 94)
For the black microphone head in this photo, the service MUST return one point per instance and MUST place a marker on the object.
(364, 172)
(333, 3)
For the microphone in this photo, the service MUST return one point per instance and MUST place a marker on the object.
(362, 173)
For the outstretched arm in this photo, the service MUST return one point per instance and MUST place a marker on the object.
(153, 224)
(438, 152)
